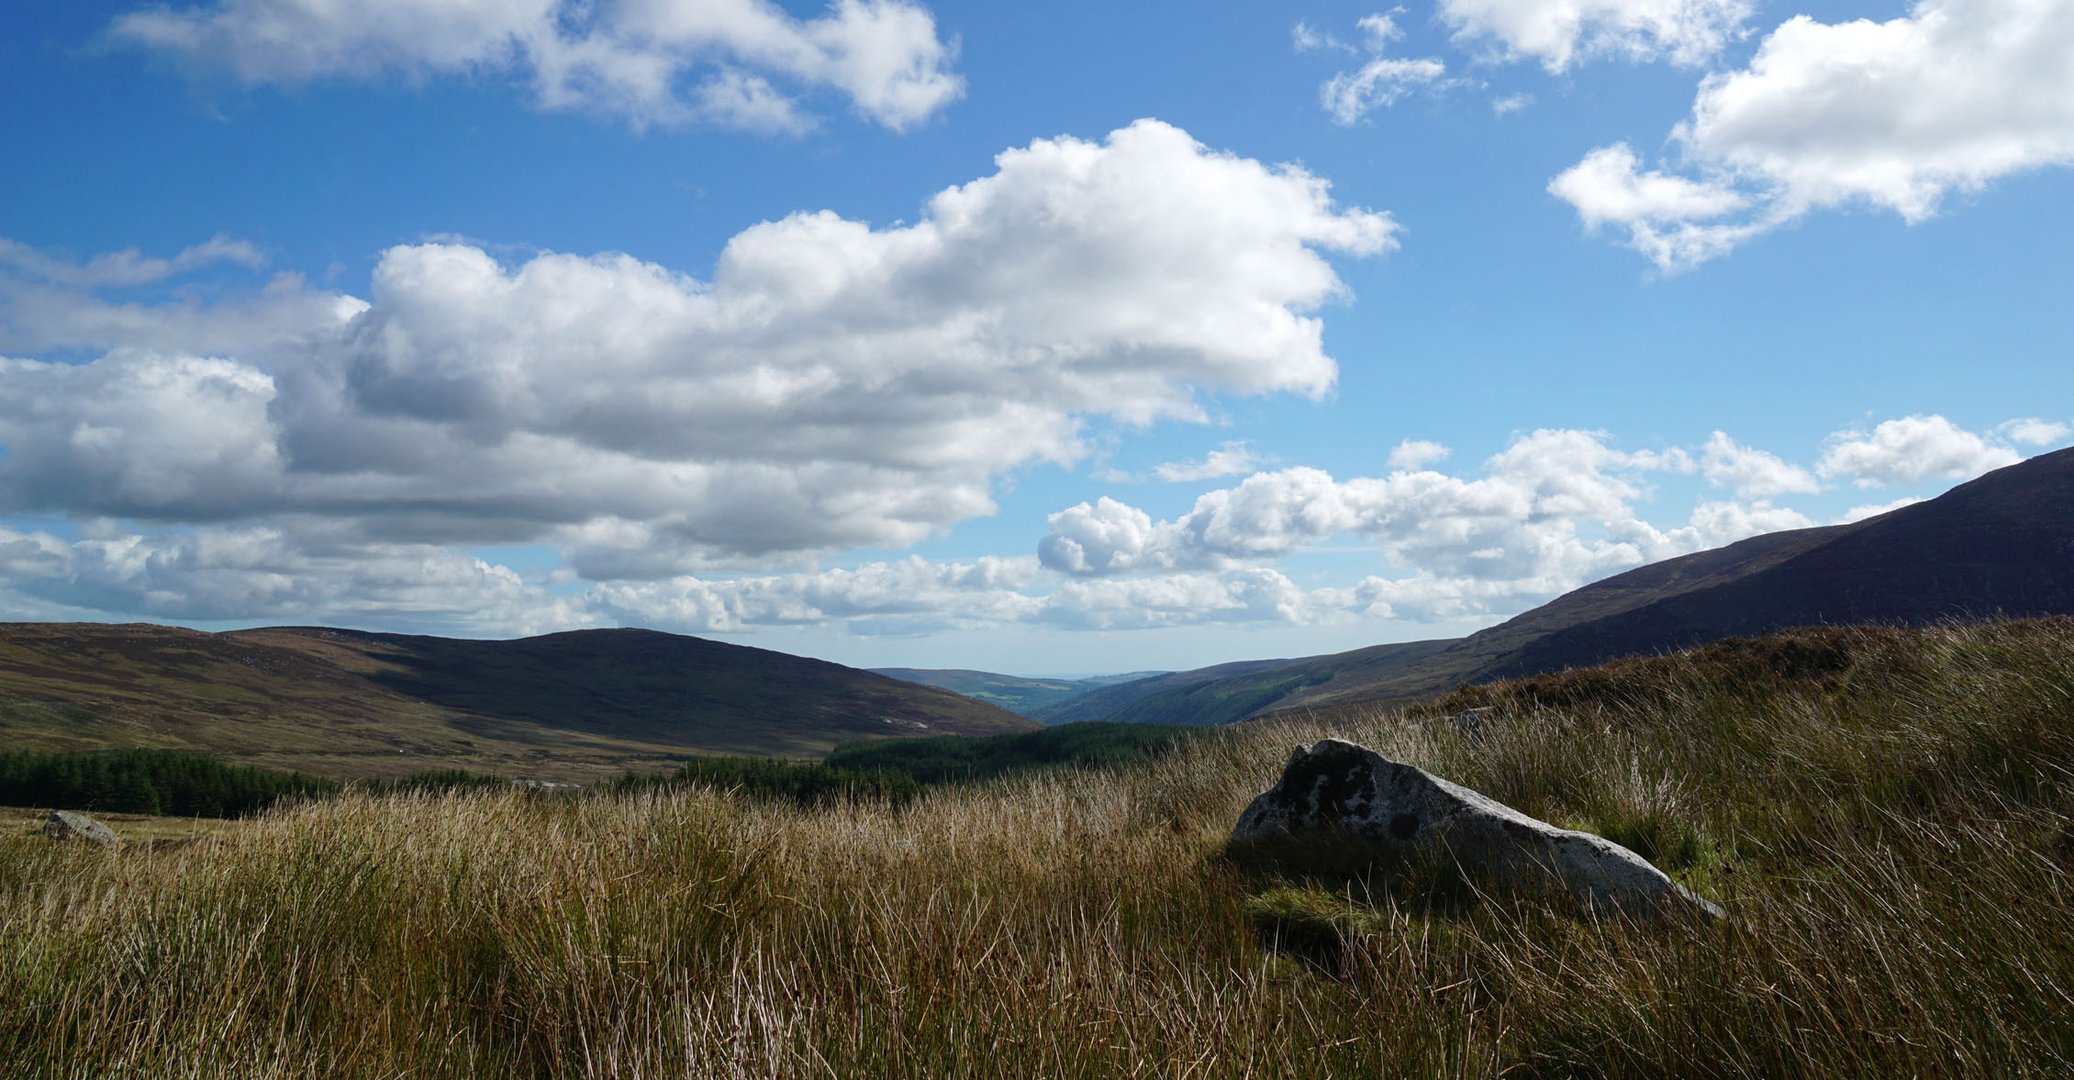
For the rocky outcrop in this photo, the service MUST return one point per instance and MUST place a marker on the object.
(1341, 794)
(71, 825)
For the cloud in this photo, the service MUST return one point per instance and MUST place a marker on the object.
(1378, 83)
(137, 434)
(301, 572)
(1910, 449)
(1244, 595)
(1894, 115)
(631, 59)
(52, 302)
(1554, 509)
(1714, 524)
(2031, 431)
(908, 596)
(1231, 458)
(1414, 454)
(914, 596)
(1308, 38)
(1511, 103)
(126, 267)
(1105, 537)
(1752, 474)
(1562, 33)
(1860, 513)
(749, 102)
(1673, 221)
(833, 385)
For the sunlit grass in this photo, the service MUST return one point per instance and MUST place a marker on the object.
(1888, 825)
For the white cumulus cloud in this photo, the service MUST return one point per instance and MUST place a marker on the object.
(1909, 449)
(1555, 509)
(1560, 33)
(1895, 115)
(650, 61)
(1414, 454)
(1871, 510)
(2032, 431)
(1752, 473)
(833, 385)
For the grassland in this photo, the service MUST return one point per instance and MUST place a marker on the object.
(1885, 813)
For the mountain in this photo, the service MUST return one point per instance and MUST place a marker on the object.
(1014, 693)
(1116, 701)
(1228, 692)
(2001, 545)
(345, 703)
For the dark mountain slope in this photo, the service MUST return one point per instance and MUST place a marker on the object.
(345, 703)
(2001, 545)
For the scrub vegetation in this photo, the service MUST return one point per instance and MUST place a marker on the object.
(1885, 814)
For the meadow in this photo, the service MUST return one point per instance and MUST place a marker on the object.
(1887, 815)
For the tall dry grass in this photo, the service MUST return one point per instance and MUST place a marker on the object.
(1885, 813)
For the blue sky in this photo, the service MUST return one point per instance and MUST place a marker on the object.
(1039, 338)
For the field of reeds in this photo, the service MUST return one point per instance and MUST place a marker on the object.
(1886, 815)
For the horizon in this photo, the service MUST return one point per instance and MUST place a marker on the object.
(858, 332)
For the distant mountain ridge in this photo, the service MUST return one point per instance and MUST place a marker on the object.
(2000, 545)
(348, 703)
(1018, 695)
(1116, 702)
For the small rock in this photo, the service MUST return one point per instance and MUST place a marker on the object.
(1335, 788)
(67, 824)
(1471, 722)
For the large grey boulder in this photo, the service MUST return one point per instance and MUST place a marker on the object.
(1339, 793)
(69, 825)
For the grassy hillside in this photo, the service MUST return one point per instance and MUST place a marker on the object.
(348, 704)
(1884, 813)
(956, 759)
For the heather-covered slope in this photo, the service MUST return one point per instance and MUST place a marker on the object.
(345, 703)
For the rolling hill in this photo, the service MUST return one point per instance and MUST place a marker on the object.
(349, 704)
(2001, 545)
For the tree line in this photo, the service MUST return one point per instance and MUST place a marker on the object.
(176, 783)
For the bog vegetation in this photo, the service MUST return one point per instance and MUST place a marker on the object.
(1886, 814)
(955, 759)
(181, 783)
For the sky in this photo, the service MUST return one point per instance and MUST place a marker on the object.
(1054, 338)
